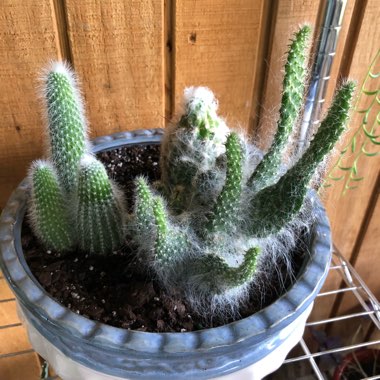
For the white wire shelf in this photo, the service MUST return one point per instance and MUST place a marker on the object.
(309, 360)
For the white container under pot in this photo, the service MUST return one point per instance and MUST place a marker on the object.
(81, 349)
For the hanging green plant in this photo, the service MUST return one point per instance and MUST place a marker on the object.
(366, 139)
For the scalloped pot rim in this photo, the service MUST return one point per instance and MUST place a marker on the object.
(232, 346)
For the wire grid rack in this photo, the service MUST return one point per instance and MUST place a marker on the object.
(318, 353)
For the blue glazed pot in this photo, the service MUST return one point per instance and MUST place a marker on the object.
(79, 348)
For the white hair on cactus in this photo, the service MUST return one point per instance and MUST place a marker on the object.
(87, 160)
(193, 96)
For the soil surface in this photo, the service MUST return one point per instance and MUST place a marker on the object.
(113, 289)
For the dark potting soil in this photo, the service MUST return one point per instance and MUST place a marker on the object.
(114, 289)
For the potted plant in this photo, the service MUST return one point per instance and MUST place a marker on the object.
(221, 228)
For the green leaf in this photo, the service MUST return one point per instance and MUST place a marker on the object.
(369, 135)
(353, 144)
(367, 92)
(357, 179)
(336, 178)
(374, 76)
(348, 168)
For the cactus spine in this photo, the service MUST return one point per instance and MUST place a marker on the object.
(291, 103)
(67, 125)
(50, 219)
(99, 209)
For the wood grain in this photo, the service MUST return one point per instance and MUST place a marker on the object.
(22, 367)
(216, 44)
(367, 257)
(5, 292)
(8, 313)
(13, 339)
(347, 212)
(354, 216)
(28, 40)
(117, 52)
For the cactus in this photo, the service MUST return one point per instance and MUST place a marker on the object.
(49, 217)
(66, 123)
(266, 172)
(216, 219)
(191, 148)
(72, 177)
(99, 209)
(212, 274)
(287, 195)
(228, 201)
(143, 223)
(212, 245)
(170, 243)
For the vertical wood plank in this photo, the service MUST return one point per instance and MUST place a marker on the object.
(347, 212)
(5, 292)
(367, 258)
(289, 14)
(216, 45)
(28, 40)
(13, 339)
(20, 367)
(8, 313)
(117, 51)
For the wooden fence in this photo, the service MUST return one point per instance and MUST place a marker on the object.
(134, 58)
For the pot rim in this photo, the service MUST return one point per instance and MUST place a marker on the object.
(269, 320)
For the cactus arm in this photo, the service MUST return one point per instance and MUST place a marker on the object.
(66, 123)
(293, 91)
(170, 243)
(99, 209)
(214, 275)
(225, 212)
(143, 221)
(274, 206)
(48, 214)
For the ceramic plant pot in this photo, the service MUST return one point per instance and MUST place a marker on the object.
(82, 349)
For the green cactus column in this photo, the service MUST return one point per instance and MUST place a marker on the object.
(66, 123)
(275, 206)
(99, 209)
(143, 223)
(48, 209)
(171, 244)
(226, 210)
(266, 172)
